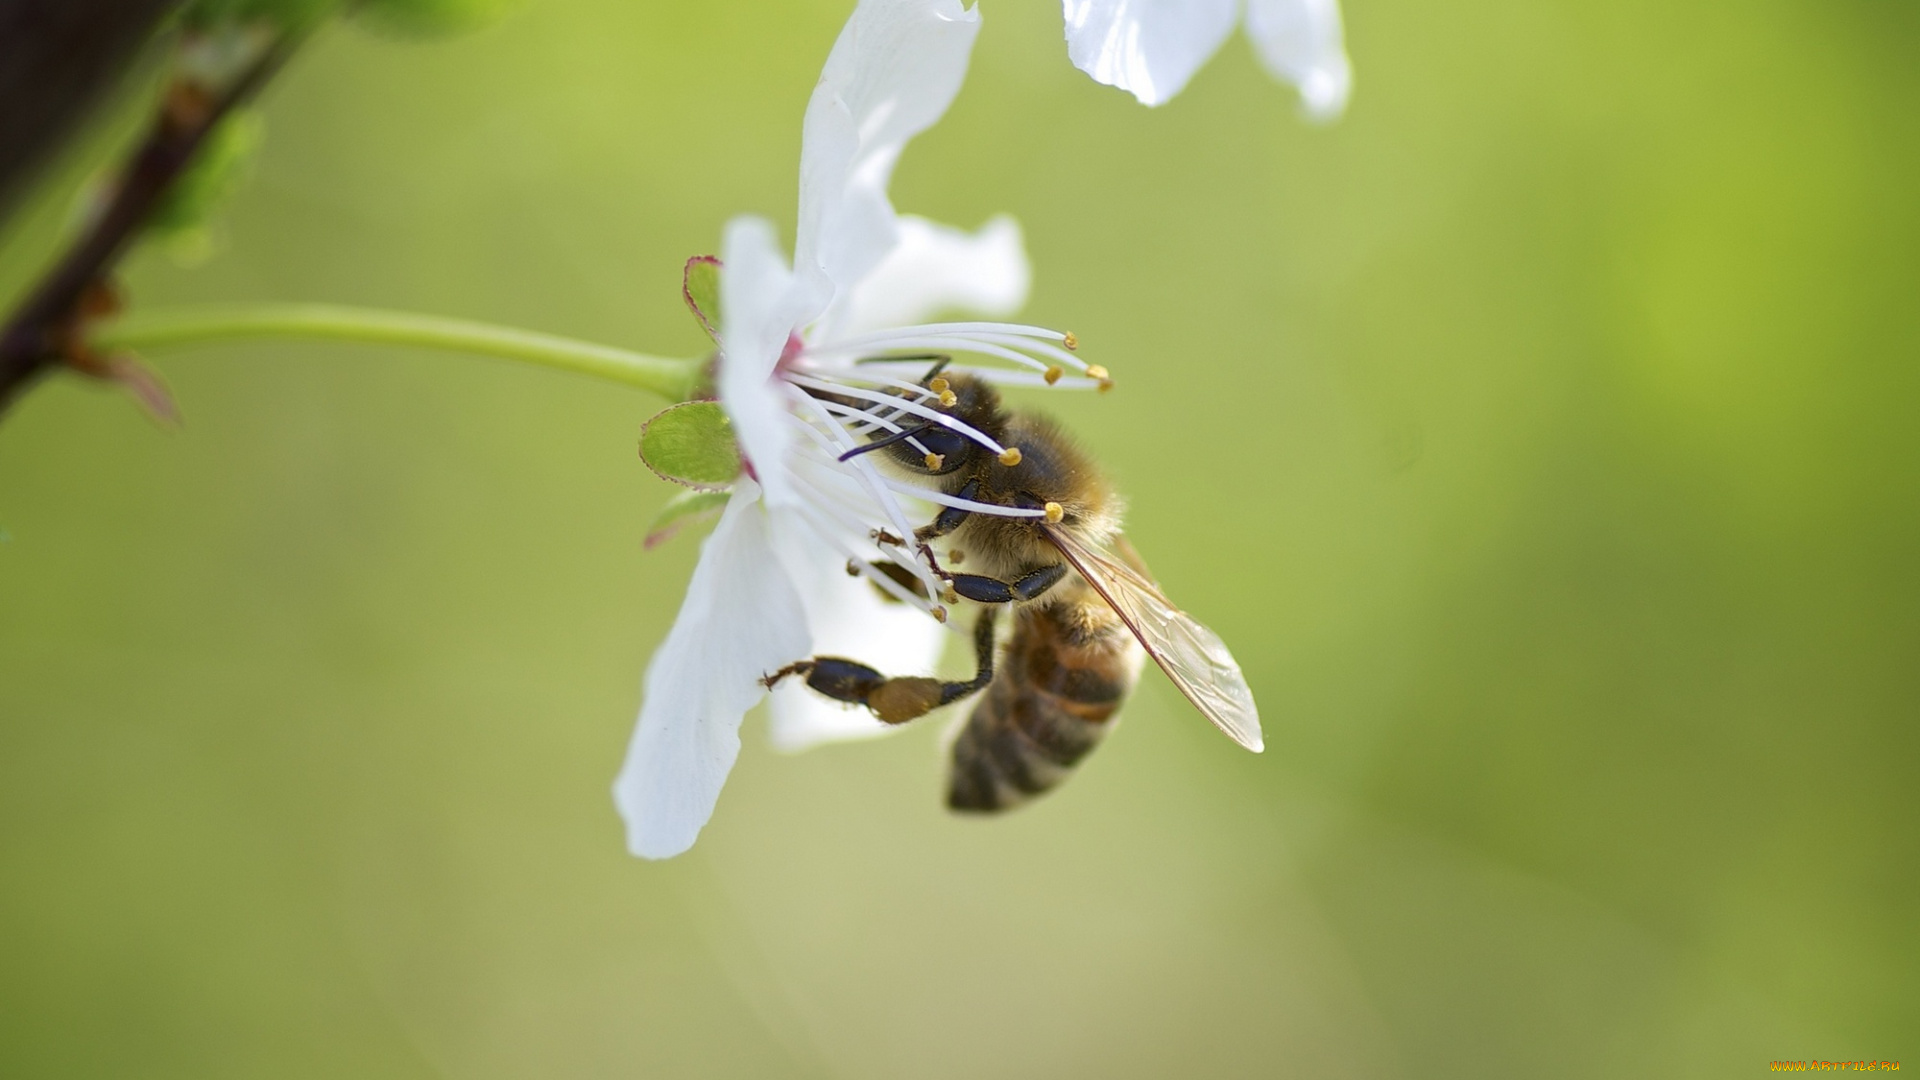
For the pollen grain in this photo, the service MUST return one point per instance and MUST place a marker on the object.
(1010, 456)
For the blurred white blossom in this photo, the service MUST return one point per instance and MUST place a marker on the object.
(1150, 48)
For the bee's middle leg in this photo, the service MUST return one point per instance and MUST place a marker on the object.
(982, 589)
(898, 699)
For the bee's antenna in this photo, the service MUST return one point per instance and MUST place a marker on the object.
(898, 436)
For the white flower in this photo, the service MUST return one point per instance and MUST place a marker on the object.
(774, 582)
(1152, 47)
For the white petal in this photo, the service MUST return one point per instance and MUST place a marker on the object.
(892, 73)
(1301, 42)
(761, 303)
(1147, 47)
(938, 268)
(741, 619)
(848, 618)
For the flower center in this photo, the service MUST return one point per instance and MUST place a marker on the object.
(848, 394)
(790, 353)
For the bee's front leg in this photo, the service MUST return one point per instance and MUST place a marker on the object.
(895, 700)
(950, 517)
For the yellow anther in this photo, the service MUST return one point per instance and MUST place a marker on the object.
(948, 399)
(1070, 341)
(1055, 512)
(934, 461)
(939, 386)
(1010, 456)
(939, 614)
(950, 596)
(1096, 371)
(1053, 375)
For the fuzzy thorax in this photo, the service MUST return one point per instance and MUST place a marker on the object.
(1052, 468)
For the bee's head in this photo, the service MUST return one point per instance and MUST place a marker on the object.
(924, 444)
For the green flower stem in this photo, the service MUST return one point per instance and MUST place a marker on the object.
(671, 379)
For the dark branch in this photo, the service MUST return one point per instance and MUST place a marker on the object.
(48, 328)
(58, 59)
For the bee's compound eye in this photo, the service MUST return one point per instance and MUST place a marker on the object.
(945, 449)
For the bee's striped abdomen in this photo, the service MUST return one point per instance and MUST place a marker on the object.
(1065, 673)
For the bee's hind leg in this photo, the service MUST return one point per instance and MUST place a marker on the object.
(894, 700)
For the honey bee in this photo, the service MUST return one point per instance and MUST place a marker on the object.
(1038, 527)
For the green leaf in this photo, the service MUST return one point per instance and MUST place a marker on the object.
(286, 14)
(700, 287)
(217, 170)
(423, 18)
(682, 511)
(692, 444)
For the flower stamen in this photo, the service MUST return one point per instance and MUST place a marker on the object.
(888, 504)
(968, 344)
(865, 568)
(1023, 345)
(958, 503)
(903, 405)
(1001, 376)
(957, 328)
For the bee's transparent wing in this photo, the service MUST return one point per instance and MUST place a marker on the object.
(1193, 656)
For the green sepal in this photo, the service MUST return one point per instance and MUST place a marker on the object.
(684, 510)
(692, 444)
(700, 288)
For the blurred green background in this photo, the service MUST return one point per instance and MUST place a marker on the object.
(1542, 437)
